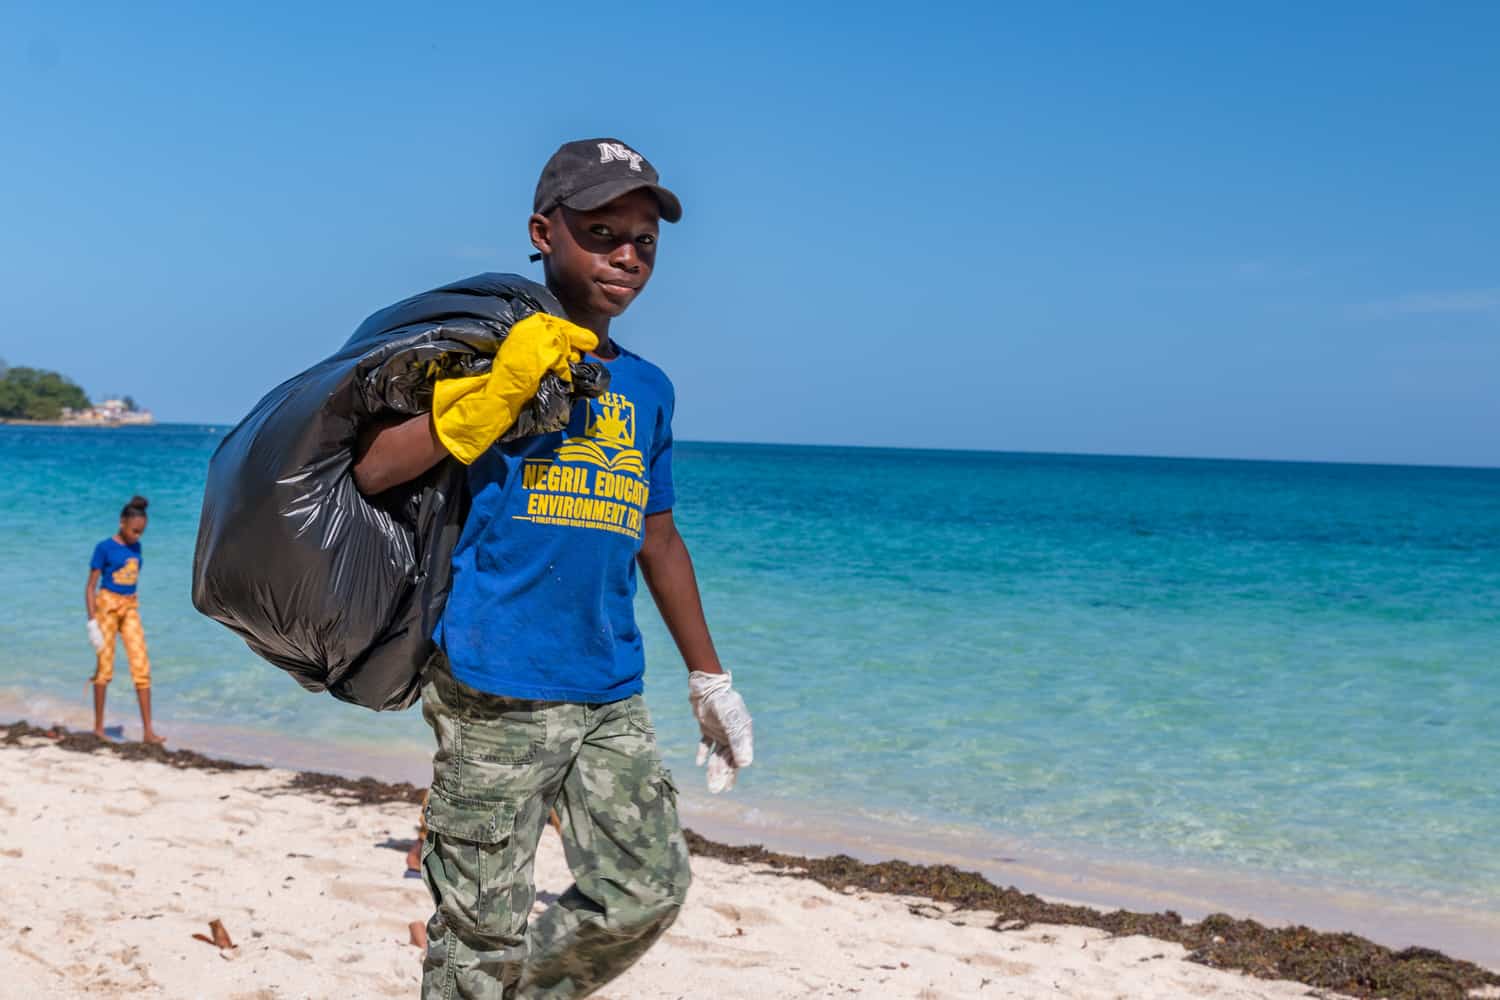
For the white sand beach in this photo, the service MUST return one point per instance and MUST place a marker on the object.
(111, 866)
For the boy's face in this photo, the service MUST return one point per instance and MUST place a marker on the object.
(598, 261)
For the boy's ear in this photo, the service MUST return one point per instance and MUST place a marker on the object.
(541, 233)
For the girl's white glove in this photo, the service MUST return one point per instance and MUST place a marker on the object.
(724, 722)
(96, 636)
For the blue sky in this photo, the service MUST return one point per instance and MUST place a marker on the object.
(1267, 232)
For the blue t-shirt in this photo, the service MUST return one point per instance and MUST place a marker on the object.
(542, 604)
(119, 565)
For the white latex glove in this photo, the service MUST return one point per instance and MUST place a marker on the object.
(725, 723)
(96, 636)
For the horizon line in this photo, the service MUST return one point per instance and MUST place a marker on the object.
(985, 451)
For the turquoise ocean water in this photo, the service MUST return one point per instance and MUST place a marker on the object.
(1289, 670)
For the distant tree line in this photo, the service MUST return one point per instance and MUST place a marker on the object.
(34, 394)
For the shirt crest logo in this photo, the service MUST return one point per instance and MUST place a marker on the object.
(127, 575)
(610, 427)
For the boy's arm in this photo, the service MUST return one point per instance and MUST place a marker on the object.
(473, 411)
(88, 594)
(727, 744)
(387, 455)
(668, 569)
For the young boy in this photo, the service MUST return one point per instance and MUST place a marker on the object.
(534, 693)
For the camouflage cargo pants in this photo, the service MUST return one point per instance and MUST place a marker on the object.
(502, 764)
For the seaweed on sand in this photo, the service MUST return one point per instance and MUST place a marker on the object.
(347, 791)
(1343, 962)
(356, 791)
(86, 742)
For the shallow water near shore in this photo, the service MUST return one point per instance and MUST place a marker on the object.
(1281, 674)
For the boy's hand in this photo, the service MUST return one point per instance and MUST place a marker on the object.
(724, 720)
(96, 636)
(470, 413)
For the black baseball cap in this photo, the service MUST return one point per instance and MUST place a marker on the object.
(588, 173)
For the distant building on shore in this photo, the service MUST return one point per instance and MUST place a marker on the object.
(110, 412)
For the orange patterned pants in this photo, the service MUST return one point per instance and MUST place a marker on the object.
(120, 615)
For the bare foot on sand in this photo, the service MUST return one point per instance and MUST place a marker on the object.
(153, 737)
(99, 732)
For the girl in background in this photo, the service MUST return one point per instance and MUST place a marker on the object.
(114, 573)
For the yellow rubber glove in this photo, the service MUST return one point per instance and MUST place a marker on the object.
(470, 413)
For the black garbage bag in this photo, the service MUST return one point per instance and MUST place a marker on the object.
(341, 590)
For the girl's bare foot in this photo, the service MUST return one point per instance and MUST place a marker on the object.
(153, 737)
(99, 732)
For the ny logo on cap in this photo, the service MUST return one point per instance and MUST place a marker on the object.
(609, 151)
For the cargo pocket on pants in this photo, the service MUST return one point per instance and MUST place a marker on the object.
(470, 867)
(668, 787)
(671, 867)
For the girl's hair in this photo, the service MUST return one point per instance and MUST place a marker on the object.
(135, 508)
